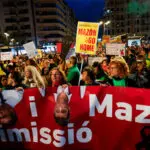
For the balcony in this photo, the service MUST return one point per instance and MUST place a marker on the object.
(49, 9)
(43, 33)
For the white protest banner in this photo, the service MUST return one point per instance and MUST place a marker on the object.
(6, 56)
(115, 49)
(91, 60)
(31, 49)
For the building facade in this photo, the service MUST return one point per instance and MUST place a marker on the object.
(128, 16)
(16, 19)
(41, 20)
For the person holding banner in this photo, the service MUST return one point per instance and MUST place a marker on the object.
(57, 77)
(140, 74)
(33, 78)
(119, 71)
(99, 73)
(88, 77)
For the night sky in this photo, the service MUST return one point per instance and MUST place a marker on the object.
(87, 10)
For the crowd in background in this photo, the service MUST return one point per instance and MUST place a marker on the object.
(132, 70)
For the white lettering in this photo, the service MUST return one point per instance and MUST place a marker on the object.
(34, 132)
(18, 134)
(84, 131)
(44, 132)
(70, 133)
(107, 103)
(124, 114)
(59, 140)
(141, 118)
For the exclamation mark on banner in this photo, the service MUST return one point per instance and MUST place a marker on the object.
(33, 106)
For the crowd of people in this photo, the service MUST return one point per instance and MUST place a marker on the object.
(132, 70)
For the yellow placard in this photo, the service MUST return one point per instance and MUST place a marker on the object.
(86, 39)
(106, 39)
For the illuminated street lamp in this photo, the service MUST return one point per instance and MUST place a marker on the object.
(107, 23)
(6, 34)
(104, 24)
(101, 22)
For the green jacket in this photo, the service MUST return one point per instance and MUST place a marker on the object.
(148, 62)
(73, 75)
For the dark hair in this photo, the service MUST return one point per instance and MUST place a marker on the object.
(100, 72)
(62, 121)
(73, 60)
(17, 77)
(90, 72)
(3, 76)
(95, 64)
(50, 56)
(32, 62)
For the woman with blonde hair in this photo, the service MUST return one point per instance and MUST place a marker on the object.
(33, 78)
(118, 73)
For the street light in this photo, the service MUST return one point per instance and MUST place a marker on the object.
(6, 34)
(107, 23)
(101, 22)
(104, 24)
(12, 40)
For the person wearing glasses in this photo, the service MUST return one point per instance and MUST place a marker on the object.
(118, 73)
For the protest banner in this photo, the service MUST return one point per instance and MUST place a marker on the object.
(116, 39)
(6, 56)
(106, 39)
(115, 49)
(30, 49)
(105, 118)
(134, 42)
(86, 38)
(95, 59)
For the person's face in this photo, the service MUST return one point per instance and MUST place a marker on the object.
(140, 66)
(142, 52)
(46, 70)
(95, 70)
(56, 76)
(61, 108)
(85, 76)
(113, 70)
(28, 73)
(46, 63)
(104, 63)
(4, 81)
(4, 116)
(28, 62)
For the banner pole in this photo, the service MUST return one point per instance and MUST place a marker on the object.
(80, 72)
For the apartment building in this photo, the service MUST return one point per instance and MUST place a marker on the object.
(40, 20)
(128, 16)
